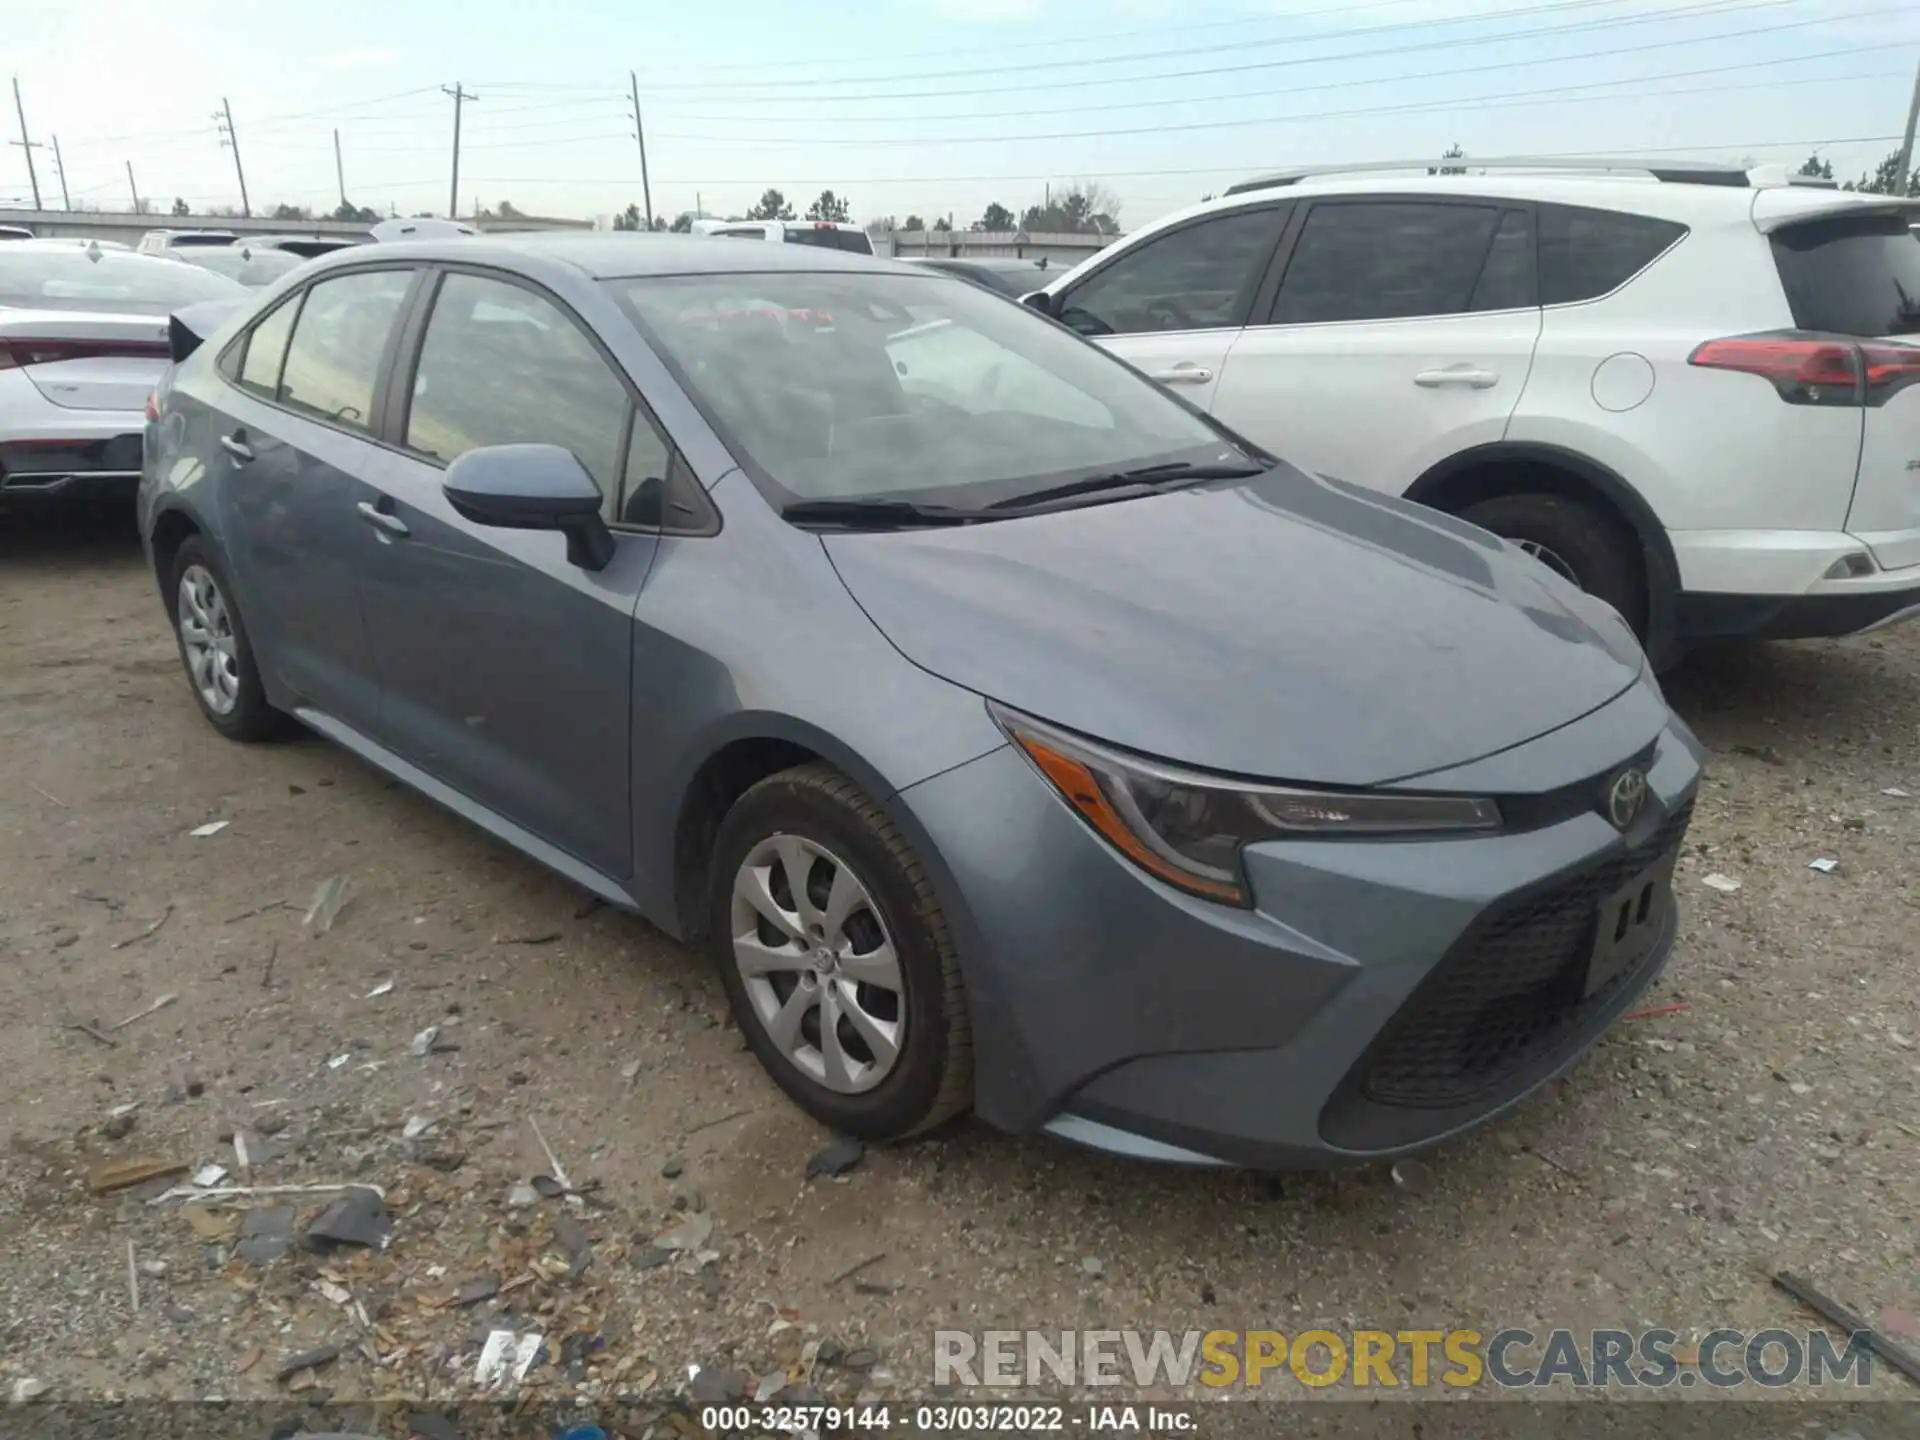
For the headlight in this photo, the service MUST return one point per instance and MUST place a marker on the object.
(1187, 828)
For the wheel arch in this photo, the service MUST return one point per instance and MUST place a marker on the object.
(1523, 467)
(738, 755)
(170, 529)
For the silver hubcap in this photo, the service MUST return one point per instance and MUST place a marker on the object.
(1551, 559)
(206, 635)
(818, 964)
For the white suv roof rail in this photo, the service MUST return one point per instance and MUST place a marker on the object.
(1687, 172)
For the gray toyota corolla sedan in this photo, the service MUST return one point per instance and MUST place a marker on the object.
(1015, 737)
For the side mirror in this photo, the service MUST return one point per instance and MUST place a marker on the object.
(532, 487)
(1038, 300)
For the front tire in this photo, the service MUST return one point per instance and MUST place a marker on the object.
(221, 669)
(837, 959)
(1582, 544)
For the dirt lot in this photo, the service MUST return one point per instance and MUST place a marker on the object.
(1772, 1122)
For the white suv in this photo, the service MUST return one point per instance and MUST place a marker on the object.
(1674, 384)
(823, 234)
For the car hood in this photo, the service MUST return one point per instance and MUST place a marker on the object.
(1287, 627)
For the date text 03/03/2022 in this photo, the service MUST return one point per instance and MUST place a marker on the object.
(958, 1417)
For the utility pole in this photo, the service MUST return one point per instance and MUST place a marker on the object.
(640, 134)
(135, 189)
(25, 142)
(460, 97)
(1902, 180)
(339, 170)
(224, 116)
(60, 168)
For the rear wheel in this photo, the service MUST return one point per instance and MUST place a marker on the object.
(837, 959)
(1575, 540)
(219, 660)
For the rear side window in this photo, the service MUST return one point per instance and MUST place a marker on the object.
(1585, 254)
(1198, 277)
(501, 365)
(1506, 280)
(1851, 275)
(1386, 260)
(266, 349)
(751, 232)
(342, 332)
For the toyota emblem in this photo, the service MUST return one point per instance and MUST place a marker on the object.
(1625, 797)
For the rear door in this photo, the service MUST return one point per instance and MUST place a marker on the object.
(294, 433)
(1394, 333)
(1171, 306)
(1859, 276)
(506, 670)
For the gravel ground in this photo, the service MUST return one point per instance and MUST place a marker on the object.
(1769, 1123)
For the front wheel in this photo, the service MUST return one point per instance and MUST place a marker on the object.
(837, 959)
(1577, 542)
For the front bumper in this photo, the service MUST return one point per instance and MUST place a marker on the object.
(1116, 1012)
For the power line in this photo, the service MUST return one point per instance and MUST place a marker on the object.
(1709, 8)
(1550, 94)
(1241, 169)
(994, 116)
(1183, 27)
(1400, 27)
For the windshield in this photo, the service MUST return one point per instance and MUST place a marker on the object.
(1851, 274)
(58, 278)
(857, 386)
(243, 263)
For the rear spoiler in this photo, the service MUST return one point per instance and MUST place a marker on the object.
(187, 328)
(1879, 205)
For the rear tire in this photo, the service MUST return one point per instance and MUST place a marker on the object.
(222, 673)
(1583, 544)
(820, 911)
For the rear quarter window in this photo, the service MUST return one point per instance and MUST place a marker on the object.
(1585, 254)
(1851, 275)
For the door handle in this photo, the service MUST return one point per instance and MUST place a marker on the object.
(237, 447)
(1185, 373)
(391, 524)
(1470, 376)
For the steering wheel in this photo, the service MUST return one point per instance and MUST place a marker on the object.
(1165, 315)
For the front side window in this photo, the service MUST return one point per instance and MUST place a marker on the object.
(1385, 260)
(853, 386)
(267, 349)
(1198, 277)
(501, 365)
(333, 362)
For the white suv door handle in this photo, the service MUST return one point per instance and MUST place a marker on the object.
(1185, 373)
(392, 524)
(1472, 376)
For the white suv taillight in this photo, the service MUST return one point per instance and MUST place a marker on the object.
(1808, 371)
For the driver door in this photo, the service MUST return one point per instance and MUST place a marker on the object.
(1173, 306)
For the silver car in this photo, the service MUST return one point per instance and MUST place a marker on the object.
(83, 341)
(1014, 737)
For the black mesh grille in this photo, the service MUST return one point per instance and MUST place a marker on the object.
(1503, 1002)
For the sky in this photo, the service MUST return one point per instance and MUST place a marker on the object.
(928, 107)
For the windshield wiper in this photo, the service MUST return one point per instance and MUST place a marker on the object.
(858, 513)
(1148, 477)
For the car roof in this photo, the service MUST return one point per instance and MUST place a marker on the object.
(607, 256)
(1689, 203)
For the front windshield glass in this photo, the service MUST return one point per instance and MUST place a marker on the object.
(923, 388)
(58, 278)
